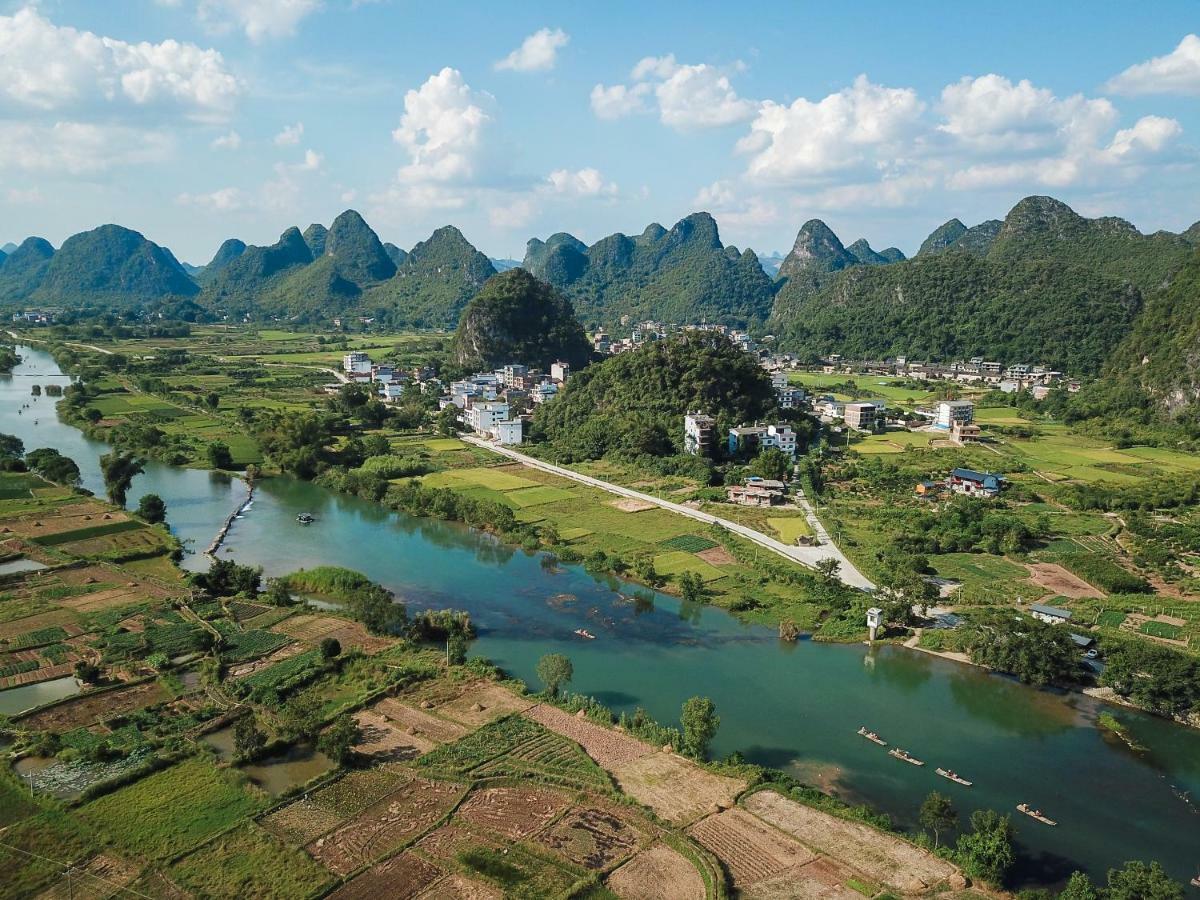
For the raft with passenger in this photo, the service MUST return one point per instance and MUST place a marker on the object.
(1035, 814)
(905, 756)
(872, 736)
(955, 777)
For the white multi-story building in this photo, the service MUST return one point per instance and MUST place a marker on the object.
(560, 371)
(791, 397)
(782, 437)
(356, 362)
(699, 434)
(483, 416)
(512, 373)
(547, 390)
(509, 432)
(779, 381)
(950, 412)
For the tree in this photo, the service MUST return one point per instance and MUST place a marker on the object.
(225, 578)
(691, 586)
(377, 609)
(277, 593)
(338, 740)
(212, 400)
(53, 466)
(829, 567)
(938, 814)
(1079, 887)
(119, 470)
(330, 647)
(456, 648)
(447, 421)
(300, 717)
(248, 738)
(1139, 881)
(554, 670)
(152, 508)
(11, 447)
(772, 464)
(88, 673)
(219, 456)
(700, 723)
(987, 850)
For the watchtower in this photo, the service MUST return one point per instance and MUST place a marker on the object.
(874, 620)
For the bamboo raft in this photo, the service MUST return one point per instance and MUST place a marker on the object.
(872, 736)
(1035, 814)
(905, 756)
(955, 777)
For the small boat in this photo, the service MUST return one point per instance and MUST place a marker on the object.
(905, 756)
(955, 777)
(872, 736)
(1035, 814)
(306, 518)
(585, 634)
(1196, 881)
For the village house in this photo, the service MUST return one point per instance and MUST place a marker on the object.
(756, 492)
(950, 412)
(356, 363)
(543, 392)
(699, 434)
(560, 372)
(862, 416)
(975, 484)
(964, 433)
(790, 397)
(747, 440)
(1052, 615)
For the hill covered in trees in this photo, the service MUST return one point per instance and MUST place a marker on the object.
(517, 318)
(684, 275)
(634, 402)
(1046, 285)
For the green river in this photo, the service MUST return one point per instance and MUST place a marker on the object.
(795, 707)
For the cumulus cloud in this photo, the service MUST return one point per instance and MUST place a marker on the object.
(230, 141)
(227, 199)
(580, 183)
(258, 19)
(50, 68)
(290, 135)
(537, 53)
(79, 148)
(688, 97)
(1176, 73)
(442, 131)
(859, 126)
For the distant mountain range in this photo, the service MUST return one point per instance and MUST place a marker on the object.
(1042, 285)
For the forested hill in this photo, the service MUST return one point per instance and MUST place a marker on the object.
(685, 275)
(634, 402)
(109, 264)
(1044, 286)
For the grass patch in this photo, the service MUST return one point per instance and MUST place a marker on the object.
(677, 562)
(172, 810)
(1111, 618)
(493, 479)
(689, 543)
(248, 862)
(536, 496)
(1161, 630)
(791, 528)
(445, 445)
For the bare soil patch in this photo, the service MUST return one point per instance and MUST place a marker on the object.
(882, 857)
(658, 873)
(314, 628)
(112, 871)
(453, 838)
(60, 617)
(607, 747)
(717, 556)
(399, 878)
(822, 879)
(514, 812)
(265, 662)
(114, 598)
(419, 724)
(749, 849)
(301, 821)
(591, 837)
(383, 739)
(386, 825)
(81, 515)
(675, 789)
(456, 887)
(482, 703)
(631, 505)
(1058, 580)
(91, 707)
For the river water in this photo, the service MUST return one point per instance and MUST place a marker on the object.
(795, 707)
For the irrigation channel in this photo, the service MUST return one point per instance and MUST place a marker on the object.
(792, 706)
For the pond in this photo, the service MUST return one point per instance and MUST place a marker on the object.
(27, 696)
(279, 772)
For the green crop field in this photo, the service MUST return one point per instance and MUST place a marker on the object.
(202, 801)
(894, 441)
(493, 479)
(691, 543)
(677, 562)
(790, 528)
(248, 862)
(1161, 629)
(535, 496)
(1111, 618)
(443, 445)
(979, 566)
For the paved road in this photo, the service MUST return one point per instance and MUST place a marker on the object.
(806, 556)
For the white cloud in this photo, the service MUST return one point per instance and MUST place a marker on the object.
(689, 97)
(619, 100)
(47, 67)
(442, 131)
(312, 161)
(79, 148)
(1149, 135)
(537, 53)
(580, 183)
(516, 213)
(23, 196)
(1176, 73)
(227, 199)
(290, 135)
(259, 19)
(230, 141)
(861, 126)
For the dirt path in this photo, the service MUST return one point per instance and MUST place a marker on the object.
(805, 556)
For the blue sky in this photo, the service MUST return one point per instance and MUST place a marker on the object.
(197, 120)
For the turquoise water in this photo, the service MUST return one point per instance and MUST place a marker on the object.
(795, 707)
